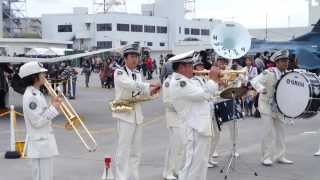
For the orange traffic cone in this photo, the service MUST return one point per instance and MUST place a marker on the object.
(107, 173)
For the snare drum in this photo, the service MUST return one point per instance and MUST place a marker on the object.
(298, 94)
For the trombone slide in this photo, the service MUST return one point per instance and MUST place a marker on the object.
(73, 118)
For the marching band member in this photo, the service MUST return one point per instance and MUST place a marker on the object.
(175, 154)
(128, 84)
(41, 143)
(222, 64)
(198, 66)
(190, 97)
(273, 127)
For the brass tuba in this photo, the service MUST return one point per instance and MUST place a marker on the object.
(74, 120)
(230, 40)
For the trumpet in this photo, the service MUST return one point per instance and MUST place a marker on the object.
(226, 75)
(74, 120)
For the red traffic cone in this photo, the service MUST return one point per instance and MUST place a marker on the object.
(107, 173)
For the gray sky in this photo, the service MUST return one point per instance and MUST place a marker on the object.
(250, 13)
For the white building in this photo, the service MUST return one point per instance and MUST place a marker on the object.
(161, 26)
(314, 11)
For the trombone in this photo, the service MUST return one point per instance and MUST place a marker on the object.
(72, 117)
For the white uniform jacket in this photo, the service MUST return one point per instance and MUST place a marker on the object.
(252, 72)
(191, 100)
(172, 119)
(41, 142)
(265, 83)
(125, 88)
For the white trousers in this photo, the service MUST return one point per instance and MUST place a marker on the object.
(42, 168)
(197, 157)
(216, 136)
(175, 155)
(273, 141)
(128, 153)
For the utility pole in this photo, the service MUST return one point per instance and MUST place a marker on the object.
(266, 38)
(104, 7)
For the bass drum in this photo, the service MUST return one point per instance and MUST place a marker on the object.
(298, 94)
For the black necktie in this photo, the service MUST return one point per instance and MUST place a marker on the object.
(134, 94)
(134, 76)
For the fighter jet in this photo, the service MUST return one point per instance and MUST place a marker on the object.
(306, 48)
(309, 41)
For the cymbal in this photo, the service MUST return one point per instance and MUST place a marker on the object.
(237, 92)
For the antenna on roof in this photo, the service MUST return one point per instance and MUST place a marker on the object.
(105, 6)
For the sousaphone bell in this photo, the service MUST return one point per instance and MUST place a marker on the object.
(231, 40)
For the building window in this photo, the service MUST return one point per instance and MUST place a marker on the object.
(149, 29)
(162, 29)
(104, 44)
(195, 31)
(64, 28)
(104, 27)
(136, 28)
(25, 50)
(205, 32)
(179, 30)
(123, 43)
(123, 27)
(162, 44)
(187, 31)
(88, 25)
(149, 43)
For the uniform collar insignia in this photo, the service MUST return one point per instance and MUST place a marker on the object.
(183, 83)
(32, 105)
(119, 73)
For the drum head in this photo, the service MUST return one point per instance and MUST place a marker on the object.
(293, 94)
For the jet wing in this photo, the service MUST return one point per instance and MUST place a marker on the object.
(15, 60)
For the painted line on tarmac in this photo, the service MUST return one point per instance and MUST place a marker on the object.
(80, 157)
(59, 126)
(153, 120)
(112, 130)
(310, 133)
(8, 131)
